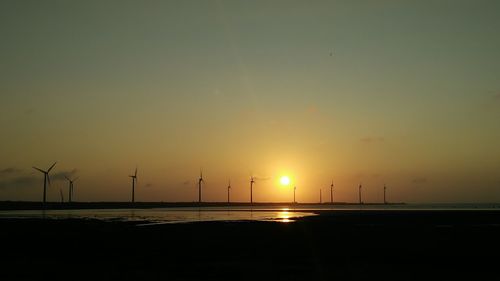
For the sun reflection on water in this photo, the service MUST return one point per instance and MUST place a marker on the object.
(284, 216)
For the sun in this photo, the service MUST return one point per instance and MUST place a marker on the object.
(285, 180)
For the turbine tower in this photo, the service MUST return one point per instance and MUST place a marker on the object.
(331, 193)
(46, 179)
(320, 199)
(251, 189)
(62, 196)
(70, 187)
(385, 188)
(359, 190)
(200, 181)
(134, 180)
(228, 188)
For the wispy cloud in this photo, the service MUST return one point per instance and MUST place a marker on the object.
(19, 182)
(17, 179)
(10, 171)
(61, 175)
(30, 111)
(419, 180)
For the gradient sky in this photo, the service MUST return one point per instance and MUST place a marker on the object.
(409, 98)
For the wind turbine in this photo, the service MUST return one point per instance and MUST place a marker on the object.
(134, 180)
(228, 188)
(62, 196)
(294, 189)
(385, 188)
(200, 181)
(331, 193)
(70, 187)
(46, 179)
(320, 199)
(251, 189)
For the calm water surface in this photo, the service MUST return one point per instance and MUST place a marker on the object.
(167, 215)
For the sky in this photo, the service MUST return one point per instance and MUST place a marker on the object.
(402, 93)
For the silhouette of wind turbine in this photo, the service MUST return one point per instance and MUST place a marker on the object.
(46, 179)
(320, 199)
(228, 188)
(294, 189)
(134, 181)
(62, 196)
(331, 193)
(251, 189)
(200, 182)
(385, 188)
(70, 188)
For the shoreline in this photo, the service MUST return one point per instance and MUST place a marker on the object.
(27, 205)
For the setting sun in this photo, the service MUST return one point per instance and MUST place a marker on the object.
(285, 180)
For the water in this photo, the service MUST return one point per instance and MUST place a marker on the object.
(166, 215)
(275, 213)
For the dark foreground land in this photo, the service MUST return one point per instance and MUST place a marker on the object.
(336, 245)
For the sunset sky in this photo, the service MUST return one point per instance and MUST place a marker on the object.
(403, 93)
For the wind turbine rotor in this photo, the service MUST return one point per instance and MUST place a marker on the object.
(51, 166)
(42, 171)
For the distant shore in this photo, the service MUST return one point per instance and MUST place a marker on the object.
(27, 205)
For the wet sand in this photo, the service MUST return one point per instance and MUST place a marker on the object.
(335, 245)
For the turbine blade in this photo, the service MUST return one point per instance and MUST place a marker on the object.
(135, 172)
(76, 179)
(51, 167)
(66, 178)
(39, 170)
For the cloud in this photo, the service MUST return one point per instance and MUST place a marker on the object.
(372, 139)
(419, 180)
(30, 111)
(10, 171)
(20, 182)
(17, 179)
(63, 174)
